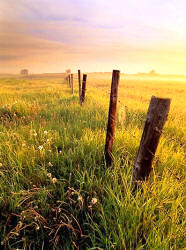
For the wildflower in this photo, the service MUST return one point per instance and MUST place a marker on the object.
(94, 201)
(80, 198)
(50, 164)
(1, 164)
(40, 147)
(37, 228)
(54, 180)
(45, 132)
(59, 149)
(36, 218)
(35, 134)
(49, 175)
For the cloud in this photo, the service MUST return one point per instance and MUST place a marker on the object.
(47, 35)
(8, 58)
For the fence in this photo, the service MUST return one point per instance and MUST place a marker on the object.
(156, 117)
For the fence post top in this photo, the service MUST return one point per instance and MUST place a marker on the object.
(161, 98)
(116, 71)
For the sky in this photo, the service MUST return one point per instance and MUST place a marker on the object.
(93, 35)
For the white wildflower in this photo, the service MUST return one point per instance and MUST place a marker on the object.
(45, 132)
(50, 164)
(40, 147)
(94, 201)
(35, 134)
(36, 218)
(49, 175)
(80, 198)
(54, 180)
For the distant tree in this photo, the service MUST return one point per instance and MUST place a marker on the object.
(24, 72)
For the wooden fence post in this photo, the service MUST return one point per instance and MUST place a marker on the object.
(83, 89)
(112, 117)
(72, 84)
(69, 81)
(66, 78)
(155, 120)
(79, 79)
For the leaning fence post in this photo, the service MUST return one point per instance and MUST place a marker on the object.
(79, 79)
(155, 120)
(112, 117)
(83, 89)
(72, 84)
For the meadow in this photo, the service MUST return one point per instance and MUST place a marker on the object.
(55, 190)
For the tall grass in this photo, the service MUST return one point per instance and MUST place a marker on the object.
(55, 191)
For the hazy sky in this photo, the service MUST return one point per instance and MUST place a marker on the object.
(93, 35)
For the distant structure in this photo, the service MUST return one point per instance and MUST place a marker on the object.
(153, 73)
(67, 73)
(24, 72)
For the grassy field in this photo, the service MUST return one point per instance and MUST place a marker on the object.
(55, 191)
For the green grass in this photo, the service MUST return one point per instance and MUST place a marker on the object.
(52, 167)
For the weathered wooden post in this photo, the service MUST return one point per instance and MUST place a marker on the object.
(72, 84)
(112, 117)
(83, 89)
(69, 81)
(68, 71)
(156, 118)
(79, 79)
